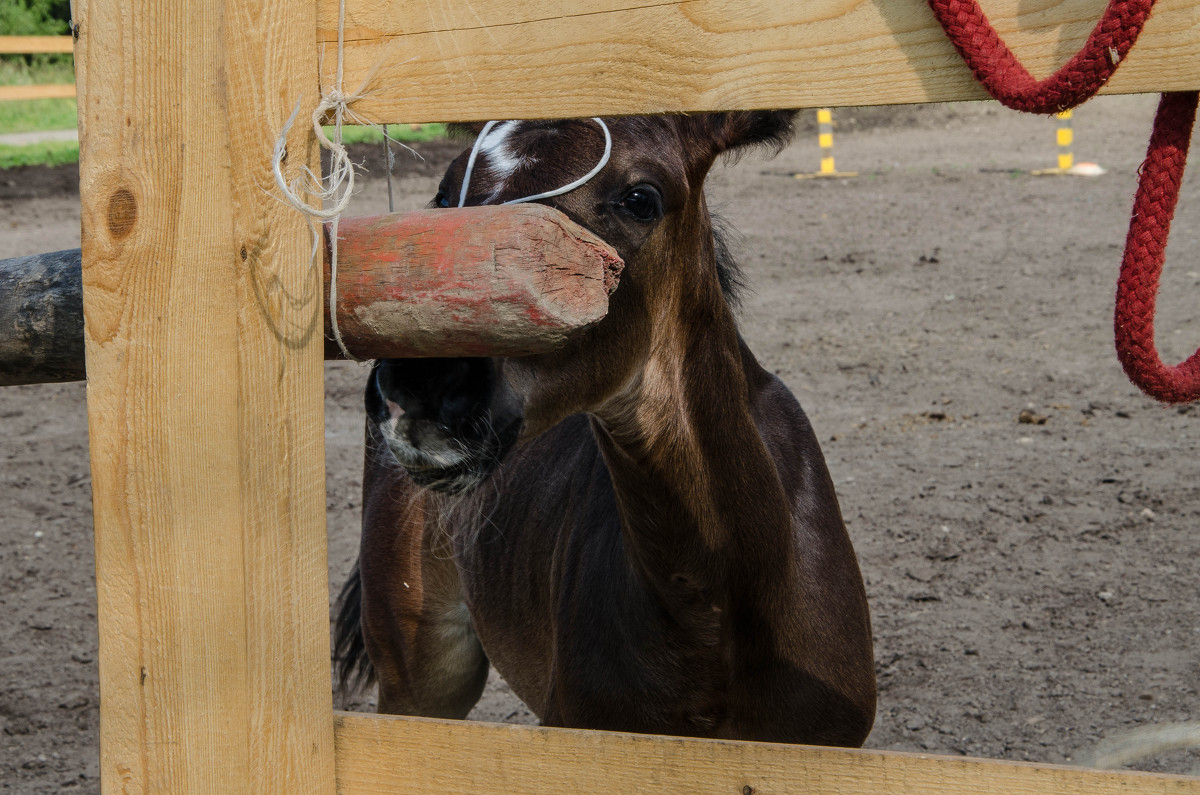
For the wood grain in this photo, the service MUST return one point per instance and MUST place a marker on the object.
(387, 754)
(459, 60)
(202, 326)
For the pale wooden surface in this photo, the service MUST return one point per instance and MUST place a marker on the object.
(378, 754)
(20, 45)
(47, 91)
(202, 324)
(461, 59)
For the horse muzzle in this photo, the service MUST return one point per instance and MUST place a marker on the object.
(447, 422)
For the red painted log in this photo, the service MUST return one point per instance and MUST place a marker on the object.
(480, 281)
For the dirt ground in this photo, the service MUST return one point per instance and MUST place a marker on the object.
(1034, 586)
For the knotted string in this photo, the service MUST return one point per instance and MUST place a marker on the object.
(338, 186)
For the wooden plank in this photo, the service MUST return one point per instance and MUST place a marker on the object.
(48, 91)
(20, 45)
(462, 60)
(387, 754)
(202, 325)
(481, 281)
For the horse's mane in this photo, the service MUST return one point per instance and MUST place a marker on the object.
(729, 270)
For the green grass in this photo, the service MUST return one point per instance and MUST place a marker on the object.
(397, 132)
(44, 69)
(62, 114)
(47, 153)
(59, 114)
(28, 115)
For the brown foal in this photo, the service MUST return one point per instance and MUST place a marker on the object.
(639, 531)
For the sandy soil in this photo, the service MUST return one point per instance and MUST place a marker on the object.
(1034, 586)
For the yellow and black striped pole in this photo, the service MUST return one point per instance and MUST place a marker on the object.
(825, 141)
(1065, 137)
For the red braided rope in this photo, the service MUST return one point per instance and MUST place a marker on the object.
(1007, 80)
(1145, 249)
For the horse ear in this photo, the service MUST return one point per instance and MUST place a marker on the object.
(464, 129)
(736, 132)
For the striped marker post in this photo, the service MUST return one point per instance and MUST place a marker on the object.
(1065, 137)
(825, 140)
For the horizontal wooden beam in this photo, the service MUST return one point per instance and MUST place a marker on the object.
(20, 45)
(460, 60)
(499, 281)
(47, 91)
(384, 754)
(480, 281)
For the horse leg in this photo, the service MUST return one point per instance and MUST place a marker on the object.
(415, 624)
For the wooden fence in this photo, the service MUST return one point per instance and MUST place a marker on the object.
(22, 45)
(205, 377)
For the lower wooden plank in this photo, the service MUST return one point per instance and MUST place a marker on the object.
(388, 754)
(49, 91)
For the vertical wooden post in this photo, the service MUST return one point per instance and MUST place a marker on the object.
(204, 351)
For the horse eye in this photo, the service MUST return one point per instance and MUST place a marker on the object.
(441, 200)
(642, 203)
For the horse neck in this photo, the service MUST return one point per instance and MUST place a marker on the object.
(701, 501)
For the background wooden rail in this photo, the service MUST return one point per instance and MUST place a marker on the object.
(464, 60)
(21, 45)
(46, 91)
(452, 756)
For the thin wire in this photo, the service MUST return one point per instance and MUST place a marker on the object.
(387, 159)
(487, 128)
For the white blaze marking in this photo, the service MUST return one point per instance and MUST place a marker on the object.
(501, 159)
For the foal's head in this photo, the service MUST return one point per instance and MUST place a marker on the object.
(449, 421)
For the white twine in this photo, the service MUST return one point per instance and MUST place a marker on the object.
(483, 134)
(338, 186)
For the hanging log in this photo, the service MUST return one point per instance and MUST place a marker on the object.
(481, 281)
